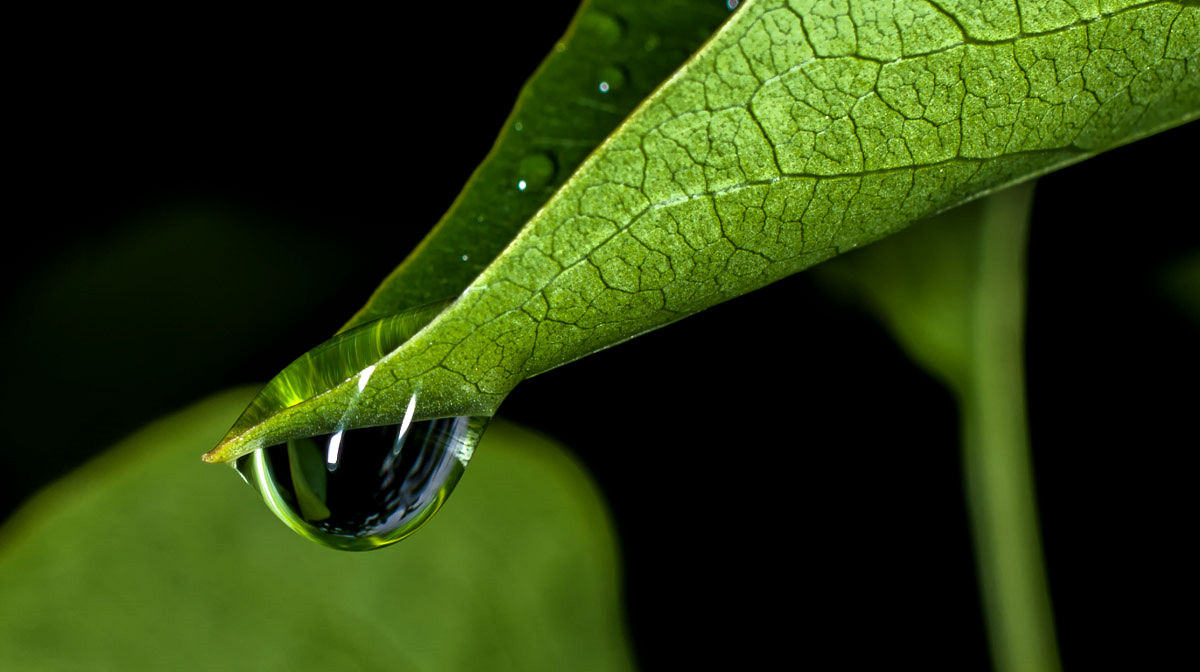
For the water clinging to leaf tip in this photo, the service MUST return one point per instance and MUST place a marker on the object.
(362, 489)
(381, 471)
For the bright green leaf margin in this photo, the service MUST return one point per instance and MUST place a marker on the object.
(800, 131)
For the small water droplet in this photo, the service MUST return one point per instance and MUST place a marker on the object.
(612, 77)
(652, 43)
(731, 4)
(465, 257)
(605, 29)
(518, 127)
(535, 170)
(361, 489)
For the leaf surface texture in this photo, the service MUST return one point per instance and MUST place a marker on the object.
(799, 131)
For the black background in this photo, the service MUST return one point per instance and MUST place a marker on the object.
(202, 197)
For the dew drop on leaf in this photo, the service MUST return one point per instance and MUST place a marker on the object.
(605, 29)
(535, 170)
(362, 489)
(612, 77)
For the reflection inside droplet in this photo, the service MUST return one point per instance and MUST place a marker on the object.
(603, 87)
(361, 489)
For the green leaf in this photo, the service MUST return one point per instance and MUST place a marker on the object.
(141, 561)
(561, 115)
(952, 293)
(797, 132)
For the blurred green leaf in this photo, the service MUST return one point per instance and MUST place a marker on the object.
(794, 134)
(921, 284)
(952, 293)
(1180, 282)
(142, 560)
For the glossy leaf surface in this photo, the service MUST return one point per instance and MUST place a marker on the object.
(799, 131)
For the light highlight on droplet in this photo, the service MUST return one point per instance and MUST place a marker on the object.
(335, 446)
(365, 377)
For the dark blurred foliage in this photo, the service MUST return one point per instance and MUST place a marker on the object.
(202, 197)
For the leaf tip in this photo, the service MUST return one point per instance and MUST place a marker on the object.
(226, 449)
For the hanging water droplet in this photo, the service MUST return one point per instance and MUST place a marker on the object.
(612, 77)
(652, 43)
(605, 29)
(362, 489)
(378, 474)
(535, 171)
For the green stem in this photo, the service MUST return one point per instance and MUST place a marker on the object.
(998, 470)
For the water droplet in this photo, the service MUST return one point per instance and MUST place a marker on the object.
(361, 489)
(518, 127)
(652, 43)
(465, 257)
(731, 4)
(378, 474)
(605, 29)
(612, 77)
(535, 171)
